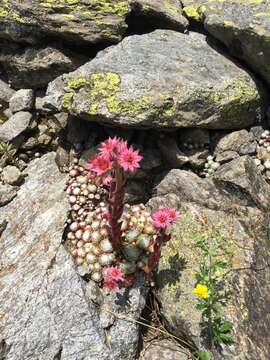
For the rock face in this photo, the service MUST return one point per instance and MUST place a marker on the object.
(164, 349)
(5, 92)
(243, 26)
(98, 21)
(235, 202)
(15, 125)
(46, 309)
(161, 79)
(7, 193)
(35, 67)
(22, 100)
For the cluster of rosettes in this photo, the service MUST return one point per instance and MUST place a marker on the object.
(265, 140)
(84, 191)
(195, 146)
(90, 244)
(210, 166)
(138, 235)
(262, 159)
(108, 240)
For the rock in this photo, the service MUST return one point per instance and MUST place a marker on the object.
(171, 154)
(12, 175)
(39, 283)
(256, 132)
(61, 119)
(197, 158)
(135, 192)
(15, 125)
(22, 100)
(226, 156)
(233, 141)
(248, 149)
(7, 113)
(244, 27)
(83, 23)
(30, 143)
(80, 132)
(235, 204)
(6, 92)
(151, 159)
(62, 158)
(35, 67)
(117, 315)
(146, 81)
(242, 174)
(7, 193)
(164, 349)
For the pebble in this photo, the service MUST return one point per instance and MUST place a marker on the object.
(11, 175)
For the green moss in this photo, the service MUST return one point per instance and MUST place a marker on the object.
(4, 9)
(3, 12)
(77, 83)
(20, 19)
(93, 9)
(103, 89)
(171, 7)
(191, 12)
(233, 102)
(255, 2)
(67, 100)
(228, 24)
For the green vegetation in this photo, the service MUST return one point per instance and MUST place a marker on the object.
(7, 154)
(211, 287)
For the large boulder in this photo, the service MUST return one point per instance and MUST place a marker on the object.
(88, 22)
(47, 311)
(35, 67)
(162, 79)
(243, 26)
(234, 204)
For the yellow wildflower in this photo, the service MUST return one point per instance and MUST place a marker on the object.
(201, 291)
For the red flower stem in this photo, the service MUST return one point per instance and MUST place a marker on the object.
(155, 255)
(116, 206)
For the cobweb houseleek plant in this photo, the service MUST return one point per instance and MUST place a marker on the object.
(109, 239)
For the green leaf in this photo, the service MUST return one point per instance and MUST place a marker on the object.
(226, 327)
(204, 355)
(200, 306)
(226, 338)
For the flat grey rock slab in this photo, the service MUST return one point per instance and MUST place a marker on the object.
(163, 79)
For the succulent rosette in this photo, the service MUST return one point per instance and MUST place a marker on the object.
(109, 240)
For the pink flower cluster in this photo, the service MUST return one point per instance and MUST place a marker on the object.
(115, 149)
(114, 275)
(164, 217)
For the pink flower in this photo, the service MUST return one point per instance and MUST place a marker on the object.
(115, 273)
(99, 164)
(107, 180)
(161, 219)
(110, 284)
(164, 217)
(129, 159)
(109, 149)
(174, 215)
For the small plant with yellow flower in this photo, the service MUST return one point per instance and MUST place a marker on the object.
(210, 289)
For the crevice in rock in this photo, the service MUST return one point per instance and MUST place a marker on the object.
(3, 350)
(140, 23)
(59, 354)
